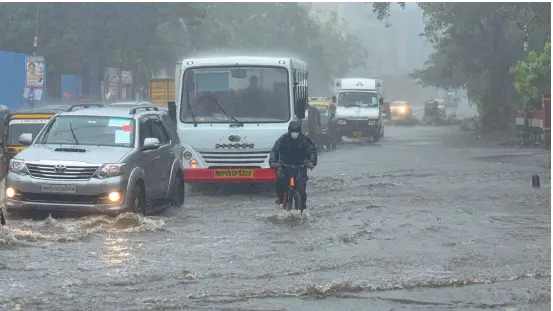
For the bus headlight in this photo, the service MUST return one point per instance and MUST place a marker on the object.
(187, 155)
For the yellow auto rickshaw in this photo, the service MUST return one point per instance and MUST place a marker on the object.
(327, 108)
(24, 121)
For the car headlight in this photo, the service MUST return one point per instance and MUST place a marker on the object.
(111, 170)
(341, 121)
(373, 122)
(18, 167)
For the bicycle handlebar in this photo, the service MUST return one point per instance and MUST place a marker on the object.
(280, 164)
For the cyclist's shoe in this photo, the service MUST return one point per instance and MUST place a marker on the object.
(278, 201)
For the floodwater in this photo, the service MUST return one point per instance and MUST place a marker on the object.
(427, 219)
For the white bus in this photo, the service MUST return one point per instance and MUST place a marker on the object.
(229, 111)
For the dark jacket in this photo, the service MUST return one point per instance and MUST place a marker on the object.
(293, 151)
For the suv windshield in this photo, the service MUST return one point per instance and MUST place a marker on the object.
(250, 94)
(16, 127)
(358, 99)
(89, 130)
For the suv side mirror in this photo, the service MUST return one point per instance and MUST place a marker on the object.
(151, 143)
(301, 106)
(381, 102)
(1, 144)
(26, 139)
(334, 99)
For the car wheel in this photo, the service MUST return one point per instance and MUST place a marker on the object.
(376, 137)
(138, 202)
(178, 192)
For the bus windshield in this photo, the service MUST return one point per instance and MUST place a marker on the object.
(251, 94)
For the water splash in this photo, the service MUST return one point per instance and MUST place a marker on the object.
(27, 232)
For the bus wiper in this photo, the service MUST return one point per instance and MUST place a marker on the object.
(190, 108)
(225, 112)
(73, 133)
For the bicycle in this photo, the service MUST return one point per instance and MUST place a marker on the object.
(292, 197)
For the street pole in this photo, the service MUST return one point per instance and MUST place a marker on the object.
(35, 42)
(525, 108)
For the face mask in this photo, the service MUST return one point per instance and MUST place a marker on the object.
(294, 135)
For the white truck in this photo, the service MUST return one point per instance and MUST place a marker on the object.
(229, 111)
(359, 107)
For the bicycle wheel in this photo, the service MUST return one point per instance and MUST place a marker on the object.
(289, 201)
(298, 202)
(285, 201)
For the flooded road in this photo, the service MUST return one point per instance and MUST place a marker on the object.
(426, 219)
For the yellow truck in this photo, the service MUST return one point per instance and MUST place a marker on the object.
(162, 91)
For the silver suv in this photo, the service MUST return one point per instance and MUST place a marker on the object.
(96, 158)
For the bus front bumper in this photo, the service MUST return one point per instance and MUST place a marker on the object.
(229, 175)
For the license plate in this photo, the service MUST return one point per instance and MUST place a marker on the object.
(357, 134)
(59, 189)
(230, 173)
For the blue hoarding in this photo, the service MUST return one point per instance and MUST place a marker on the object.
(13, 76)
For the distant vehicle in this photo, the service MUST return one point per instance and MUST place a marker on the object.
(162, 91)
(401, 110)
(24, 121)
(359, 108)
(99, 159)
(312, 126)
(386, 112)
(435, 112)
(327, 108)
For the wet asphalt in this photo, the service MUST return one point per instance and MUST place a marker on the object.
(427, 219)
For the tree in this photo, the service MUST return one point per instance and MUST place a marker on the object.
(277, 29)
(146, 38)
(533, 77)
(478, 43)
(70, 34)
(382, 10)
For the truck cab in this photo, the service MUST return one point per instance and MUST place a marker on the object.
(359, 108)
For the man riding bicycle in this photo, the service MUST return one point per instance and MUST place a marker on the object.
(292, 148)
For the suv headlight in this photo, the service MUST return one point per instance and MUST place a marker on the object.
(111, 170)
(373, 122)
(341, 121)
(18, 167)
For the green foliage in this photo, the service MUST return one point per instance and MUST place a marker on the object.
(149, 37)
(382, 9)
(533, 77)
(476, 45)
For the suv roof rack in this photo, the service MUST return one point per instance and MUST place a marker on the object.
(84, 106)
(146, 107)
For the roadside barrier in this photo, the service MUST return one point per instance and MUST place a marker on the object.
(539, 124)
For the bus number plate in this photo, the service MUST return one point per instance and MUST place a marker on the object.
(230, 173)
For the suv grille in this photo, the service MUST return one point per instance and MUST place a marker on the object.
(235, 158)
(70, 173)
